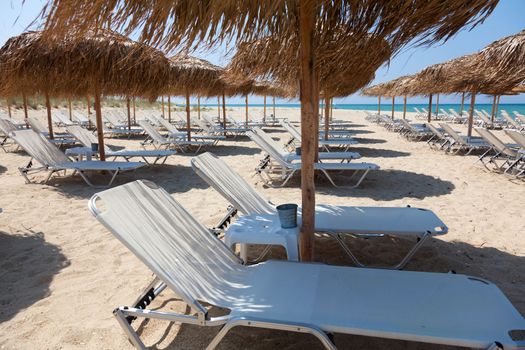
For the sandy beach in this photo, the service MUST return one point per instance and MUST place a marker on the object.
(62, 273)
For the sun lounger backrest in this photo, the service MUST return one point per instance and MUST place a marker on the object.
(167, 125)
(269, 140)
(452, 133)
(178, 249)
(435, 130)
(36, 125)
(38, 147)
(152, 132)
(85, 136)
(268, 149)
(6, 126)
(495, 142)
(292, 130)
(517, 137)
(79, 117)
(230, 184)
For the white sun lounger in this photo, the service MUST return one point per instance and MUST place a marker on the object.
(438, 140)
(336, 220)
(6, 127)
(60, 119)
(86, 138)
(158, 141)
(53, 160)
(59, 138)
(498, 150)
(414, 132)
(214, 129)
(118, 127)
(285, 169)
(292, 156)
(344, 143)
(511, 123)
(317, 299)
(17, 123)
(459, 143)
(81, 118)
(519, 117)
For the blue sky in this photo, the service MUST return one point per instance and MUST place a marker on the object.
(507, 19)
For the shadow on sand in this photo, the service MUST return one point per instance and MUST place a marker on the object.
(3, 169)
(174, 178)
(383, 185)
(435, 256)
(28, 264)
(378, 152)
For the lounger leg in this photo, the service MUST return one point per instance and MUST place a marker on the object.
(300, 328)
(130, 332)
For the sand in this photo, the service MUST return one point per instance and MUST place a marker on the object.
(62, 273)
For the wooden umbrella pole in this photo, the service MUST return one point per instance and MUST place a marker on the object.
(224, 113)
(188, 116)
(49, 120)
(493, 109)
(404, 106)
(331, 109)
(88, 105)
(162, 102)
(169, 109)
(379, 105)
(497, 106)
(218, 108)
(246, 103)
(274, 107)
(24, 101)
(100, 126)
(69, 107)
(134, 112)
(437, 105)
(429, 117)
(471, 114)
(393, 105)
(26, 115)
(9, 108)
(264, 110)
(462, 103)
(326, 114)
(309, 122)
(199, 107)
(128, 107)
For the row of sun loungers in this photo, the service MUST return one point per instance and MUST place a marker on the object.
(495, 154)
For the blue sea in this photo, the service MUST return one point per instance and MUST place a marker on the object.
(385, 107)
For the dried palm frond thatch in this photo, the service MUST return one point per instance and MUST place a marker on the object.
(194, 75)
(106, 61)
(188, 21)
(344, 63)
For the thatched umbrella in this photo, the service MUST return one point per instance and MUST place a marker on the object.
(98, 63)
(192, 75)
(183, 21)
(340, 74)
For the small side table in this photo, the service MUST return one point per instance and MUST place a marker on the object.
(262, 229)
(81, 152)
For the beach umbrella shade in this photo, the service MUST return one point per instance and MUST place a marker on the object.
(99, 63)
(170, 24)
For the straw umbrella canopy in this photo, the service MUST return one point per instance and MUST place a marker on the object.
(401, 86)
(101, 63)
(192, 75)
(344, 65)
(183, 21)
